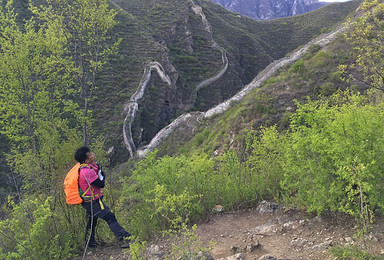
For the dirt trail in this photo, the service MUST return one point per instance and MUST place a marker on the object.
(267, 231)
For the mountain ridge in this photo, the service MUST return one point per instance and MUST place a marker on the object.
(270, 9)
(175, 72)
(180, 43)
(256, 82)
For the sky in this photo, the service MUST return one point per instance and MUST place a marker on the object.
(334, 0)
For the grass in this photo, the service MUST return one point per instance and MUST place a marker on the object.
(352, 253)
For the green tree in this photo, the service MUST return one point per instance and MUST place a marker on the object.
(39, 117)
(86, 24)
(35, 90)
(32, 231)
(367, 39)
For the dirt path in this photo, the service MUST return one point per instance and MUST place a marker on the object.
(282, 235)
(267, 231)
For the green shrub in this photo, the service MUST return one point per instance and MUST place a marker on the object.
(351, 253)
(182, 188)
(136, 251)
(185, 243)
(270, 81)
(33, 231)
(312, 50)
(265, 163)
(161, 190)
(327, 89)
(336, 76)
(297, 67)
(284, 121)
(333, 153)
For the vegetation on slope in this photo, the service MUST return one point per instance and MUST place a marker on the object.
(171, 33)
(324, 154)
(318, 154)
(330, 157)
(316, 73)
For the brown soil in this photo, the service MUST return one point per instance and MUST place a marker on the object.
(289, 235)
(282, 234)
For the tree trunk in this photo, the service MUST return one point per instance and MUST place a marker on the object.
(85, 130)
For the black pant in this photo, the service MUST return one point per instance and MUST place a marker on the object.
(104, 214)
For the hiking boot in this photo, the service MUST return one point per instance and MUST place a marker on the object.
(93, 245)
(125, 243)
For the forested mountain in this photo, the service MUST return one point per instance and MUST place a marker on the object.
(270, 9)
(193, 42)
(302, 135)
(189, 40)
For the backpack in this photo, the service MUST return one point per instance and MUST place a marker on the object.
(73, 193)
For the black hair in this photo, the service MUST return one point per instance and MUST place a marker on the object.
(81, 154)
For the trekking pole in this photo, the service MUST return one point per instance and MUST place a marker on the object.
(91, 229)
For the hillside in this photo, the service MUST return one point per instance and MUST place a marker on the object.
(314, 73)
(280, 159)
(181, 43)
(190, 53)
(208, 54)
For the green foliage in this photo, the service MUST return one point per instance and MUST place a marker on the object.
(136, 251)
(186, 245)
(367, 40)
(270, 81)
(322, 58)
(264, 163)
(312, 50)
(165, 190)
(351, 253)
(85, 25)
(40, 118)
(201, 137)
(335, 146)
(235, 183)
(37, 113)
(327, 89)
(178, 189)
(173, 208)
(297, 67)
(31, 232)
(284, 121)
(34, 79)
(336, 76)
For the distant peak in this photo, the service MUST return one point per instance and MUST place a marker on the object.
(270, 9)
